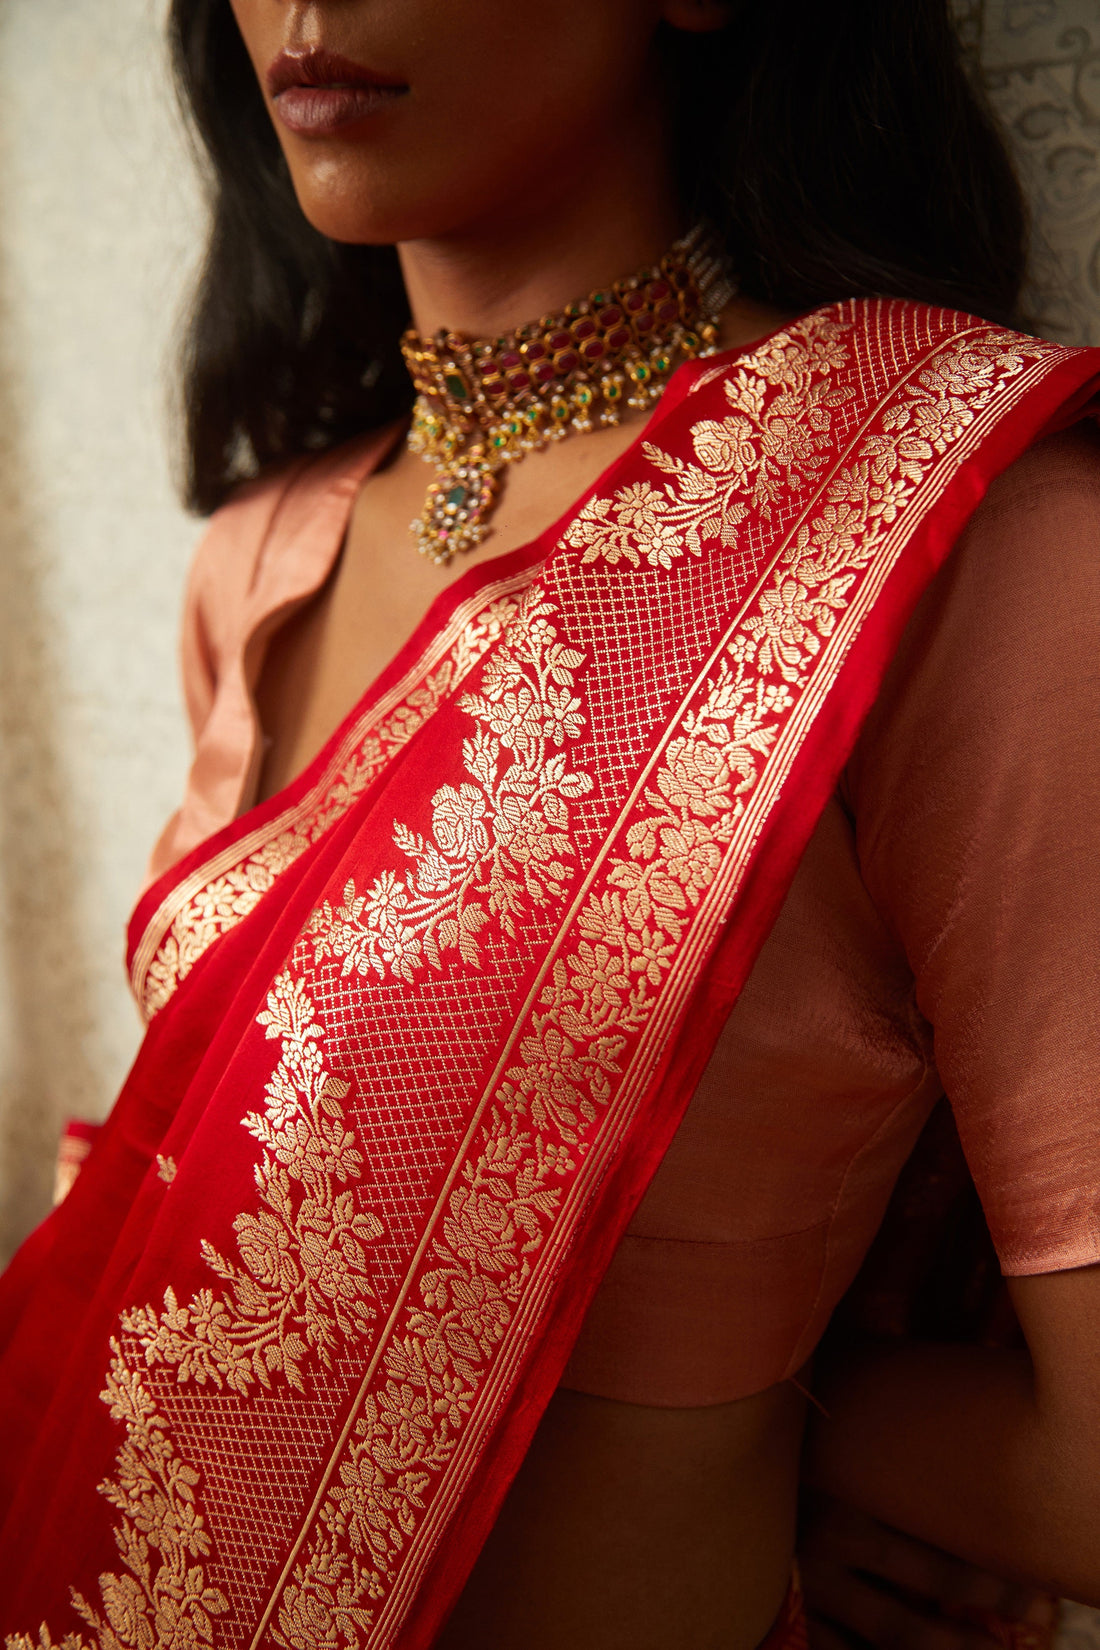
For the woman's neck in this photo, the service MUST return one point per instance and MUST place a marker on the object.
(618, 213)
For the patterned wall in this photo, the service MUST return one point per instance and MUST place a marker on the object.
(1040, 65)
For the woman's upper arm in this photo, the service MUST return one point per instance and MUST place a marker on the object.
(976, 790)
(1059, 1313)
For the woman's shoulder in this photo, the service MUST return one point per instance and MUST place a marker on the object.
(1027, 565)
(1000, 661)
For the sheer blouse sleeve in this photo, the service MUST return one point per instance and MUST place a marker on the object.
(975, 789)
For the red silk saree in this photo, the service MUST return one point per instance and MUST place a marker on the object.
(422, 1026)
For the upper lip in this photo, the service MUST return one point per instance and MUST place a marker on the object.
(321, 68)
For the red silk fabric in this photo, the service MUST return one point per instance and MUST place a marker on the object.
(422, 1026)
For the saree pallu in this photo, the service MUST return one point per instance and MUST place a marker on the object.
(422, 1026)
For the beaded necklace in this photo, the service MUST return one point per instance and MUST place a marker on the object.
(483, 404)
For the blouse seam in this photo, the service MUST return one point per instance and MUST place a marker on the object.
(726, 1243)
(831, 1219)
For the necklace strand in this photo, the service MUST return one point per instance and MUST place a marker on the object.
(484, 404)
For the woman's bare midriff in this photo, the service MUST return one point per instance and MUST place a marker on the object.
(631, 1528)
(628, 1527)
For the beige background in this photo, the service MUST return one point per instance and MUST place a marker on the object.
(99, 224)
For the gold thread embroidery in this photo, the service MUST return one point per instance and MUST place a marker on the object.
(225, 901)
(598, 996)
(304, 1264)
(496, 1219)
(775, 437)
(164, 1596)
(498, 839)
(304, 1275)
(503, 1207)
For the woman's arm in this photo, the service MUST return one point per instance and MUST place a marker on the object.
(992, 1455)
(866, 1583)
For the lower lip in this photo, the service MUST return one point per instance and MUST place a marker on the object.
(321, 111)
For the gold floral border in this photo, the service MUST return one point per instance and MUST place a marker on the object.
(580, 1057)
(935, 422)
(215, 897)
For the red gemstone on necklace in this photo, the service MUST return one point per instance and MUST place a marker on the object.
(643, 322)
(618, 338)
(668, 311)
(489, 369)
(567, 361)
(584, 328)
(611, 316)
(518, 382)
(495, 387)
(559, 339)
(634, 301)
(509, 360)
(594, 350)
(656, 290)
(544, 372)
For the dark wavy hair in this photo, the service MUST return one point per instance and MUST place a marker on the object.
(838, 148)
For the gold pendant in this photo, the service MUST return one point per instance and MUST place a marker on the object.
(458, 502)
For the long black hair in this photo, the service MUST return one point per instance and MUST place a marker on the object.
(838, 148)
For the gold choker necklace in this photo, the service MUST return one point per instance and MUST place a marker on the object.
(483, 404)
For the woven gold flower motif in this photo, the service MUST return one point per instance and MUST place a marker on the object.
(696, 775)
(228, 898)
(458, 821)
(480, 1228)
(499, 838)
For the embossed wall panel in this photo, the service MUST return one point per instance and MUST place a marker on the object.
(1040, 65)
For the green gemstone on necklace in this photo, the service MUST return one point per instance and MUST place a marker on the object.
(457, 385)
(457, 496)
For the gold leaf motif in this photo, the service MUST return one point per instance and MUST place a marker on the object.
(777, 436)
(597, 997)
(499, 840)
(163, 1595)
(226, 900)
(604, 991)
(302, 1281)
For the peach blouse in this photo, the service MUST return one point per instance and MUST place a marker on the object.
(942, 933)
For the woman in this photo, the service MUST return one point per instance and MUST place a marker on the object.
(426, 1017)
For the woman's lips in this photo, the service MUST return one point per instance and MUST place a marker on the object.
(320, 92)
(321, 111)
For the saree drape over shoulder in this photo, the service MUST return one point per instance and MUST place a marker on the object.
(422, 1026)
